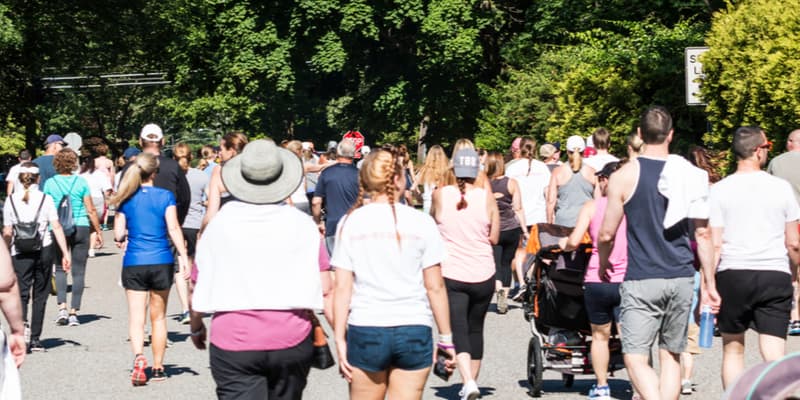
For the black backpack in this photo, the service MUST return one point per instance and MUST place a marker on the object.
(65, 217)
(27, 238)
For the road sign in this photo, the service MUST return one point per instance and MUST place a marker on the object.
(694, 75)
(358, 140)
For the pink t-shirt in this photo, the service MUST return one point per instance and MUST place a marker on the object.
(619, 255)
(261, 330)
(468, 252)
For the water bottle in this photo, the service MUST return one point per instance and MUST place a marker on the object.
(557, 339)
(706, 327)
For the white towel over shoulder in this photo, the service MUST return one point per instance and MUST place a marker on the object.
(686, 188)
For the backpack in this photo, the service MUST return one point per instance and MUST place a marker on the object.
(27, 238)
(65, 217)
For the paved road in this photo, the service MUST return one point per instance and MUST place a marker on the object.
(92, 361)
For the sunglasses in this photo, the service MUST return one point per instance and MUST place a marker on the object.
(767, 145)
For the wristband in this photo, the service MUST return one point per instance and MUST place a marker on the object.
(124, 238)
(197, 332)
(444, 346)
(446, 339)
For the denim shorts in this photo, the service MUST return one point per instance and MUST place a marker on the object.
(374, 349)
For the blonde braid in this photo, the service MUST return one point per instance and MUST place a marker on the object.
(390, 171)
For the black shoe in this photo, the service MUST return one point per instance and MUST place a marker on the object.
(36, 346)
(158, 375)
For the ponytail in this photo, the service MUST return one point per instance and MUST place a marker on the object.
(183, 155)
(28, 176)
(140, 170)
(462, 204)
(575, 160)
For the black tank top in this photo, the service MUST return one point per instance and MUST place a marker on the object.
(655, 252)
(508, 220)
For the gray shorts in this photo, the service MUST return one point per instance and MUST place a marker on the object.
(655, 306)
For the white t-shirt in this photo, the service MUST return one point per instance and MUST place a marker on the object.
(532, 186)
(27, 212)
(12, 176)
(99, 183)
(753, 209)
(599, 161)
(388, 289)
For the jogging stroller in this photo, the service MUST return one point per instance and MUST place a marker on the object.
(553, 304)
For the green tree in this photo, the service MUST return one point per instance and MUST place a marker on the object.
(751, 70)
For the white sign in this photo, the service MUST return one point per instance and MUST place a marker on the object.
(694, 75)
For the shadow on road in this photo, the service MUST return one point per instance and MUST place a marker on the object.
(87, 318)
(173, 370)
(451, 392)
(175, 337)
(57, 342)
(620, 388)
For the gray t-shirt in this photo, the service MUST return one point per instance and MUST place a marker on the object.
(787, 166)
(198, 182)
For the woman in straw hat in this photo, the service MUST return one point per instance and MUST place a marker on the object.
(258, 272)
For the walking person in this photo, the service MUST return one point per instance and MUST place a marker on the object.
(787, 166)
(601, 139)
(261, 336)
(99, 189)
(656, 294)
(601, 285)
(146, 217)
(12, 179)
(435, 173)
(753, 221)
(12, 312)
(231, 145)
(84, 218)
(571, 186)
(512, 226)
(34, 267)
(198, 185)
(338, 188)
(389, 288)
(468, 220)
(52, 145)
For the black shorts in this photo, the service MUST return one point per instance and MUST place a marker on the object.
(147, 277)
(190, 236)
(758, 299)
(602, 302)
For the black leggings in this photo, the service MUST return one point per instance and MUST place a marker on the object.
(504, 252)
(33, 273)
(79, 247)
(468, 305)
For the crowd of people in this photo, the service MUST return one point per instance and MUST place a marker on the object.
(404, 262)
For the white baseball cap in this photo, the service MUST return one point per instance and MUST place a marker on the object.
(575, 143)
(151, 133)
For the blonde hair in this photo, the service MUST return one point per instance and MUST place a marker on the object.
(575, 160)
(140, 170)
(183, 155)
(636, 143)
(27, 179)
(377, 177)
(462, 144)
(295, 146)
(436, 170)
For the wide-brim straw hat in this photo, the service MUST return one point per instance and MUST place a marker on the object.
(263, 173)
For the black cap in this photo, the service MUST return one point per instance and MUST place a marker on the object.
(608, 169)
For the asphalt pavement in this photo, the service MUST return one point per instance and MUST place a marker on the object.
(93, 361)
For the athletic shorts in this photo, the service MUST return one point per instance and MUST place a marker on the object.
(602, 302)
(147, 277)
(190, 236)
(651, 307)
(374, 349)
(758, 299)
(693, 339)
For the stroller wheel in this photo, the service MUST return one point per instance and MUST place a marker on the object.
(535, 367)
(568, 380)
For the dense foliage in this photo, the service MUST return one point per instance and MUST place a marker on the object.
(313, 69)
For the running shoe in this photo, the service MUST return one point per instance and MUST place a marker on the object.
(185, 318)
(91, 252)
(794, 328)
(520, 295)
(470, 391)
(63, 317)
(158, 375)
(27, 334)
(686, 387)
(36, 346)
(502, 302)
(138, 376)
(73, 320)
(600, 392)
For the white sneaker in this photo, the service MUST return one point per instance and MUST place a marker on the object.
(91, 252)
(27, 334)
(469, 391)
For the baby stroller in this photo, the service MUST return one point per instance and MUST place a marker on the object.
(553, 304)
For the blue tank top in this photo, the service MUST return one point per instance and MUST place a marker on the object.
(655, 252)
